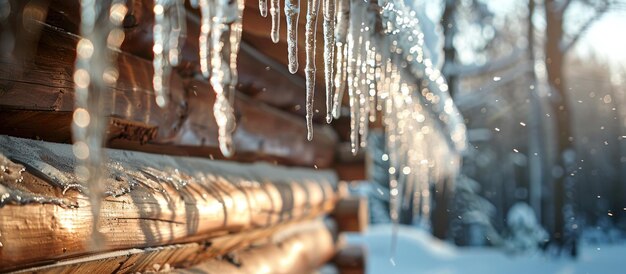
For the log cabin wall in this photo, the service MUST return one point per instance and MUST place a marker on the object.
(148, 219)
(151, 200)
(37, 92)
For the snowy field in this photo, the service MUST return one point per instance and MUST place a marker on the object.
(418, 252)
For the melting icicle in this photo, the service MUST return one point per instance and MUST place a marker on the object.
(235, 41)
(292, 12)
(353, 49)
(341, 32)
(309, 71)
(371, 82)
(329, 43)
(94, 74)
(227, 19)
(275, 13)
(178, 31)
(362, 90)
(263, 7)
(168, 31)
(205, 30)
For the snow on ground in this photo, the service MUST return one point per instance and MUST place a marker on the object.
(418, 252)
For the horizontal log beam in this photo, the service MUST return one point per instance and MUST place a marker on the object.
(186, 125)
(151, 200)
(262, 78)
(177, 256)
(350, 259)
(352, 214)
(302, 252)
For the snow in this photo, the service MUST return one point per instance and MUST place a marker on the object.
(418, 252)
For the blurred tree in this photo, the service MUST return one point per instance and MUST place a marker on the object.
(557, 44)
(448, 23)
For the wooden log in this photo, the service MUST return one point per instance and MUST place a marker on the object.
(351, 214)
(151, 200)
(350, 259)
(185, 127)
(177, 256)
(302, 252)
(260, 77)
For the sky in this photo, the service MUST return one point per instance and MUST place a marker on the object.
(606, 39)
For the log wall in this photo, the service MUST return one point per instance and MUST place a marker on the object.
(151, 200)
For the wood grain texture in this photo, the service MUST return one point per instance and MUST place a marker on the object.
(151, 200)
(301, 252)
(181, 256)
(37, 97)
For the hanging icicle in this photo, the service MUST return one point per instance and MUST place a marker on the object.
(169, 31)
(329, 54)
(309, 71)
(292, 12)
(204, 39)
(341, 32)
(235, 41)
(275, 14)
(227, 20)
(94, 74)
(263, 7)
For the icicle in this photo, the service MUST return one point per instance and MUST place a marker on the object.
(393, 163)
(263, 7)
(340, 78)
(362, 90)
(363, 119)
(168, 31)
(235, 41)
(341, 31)
(160, 68)
(352, 79)
(292, 12)
(372, 82)
(309, 70)
(227, 18)
(205, 30)
(178, 31)
(275, 13)
(94, 74)
(329, 43)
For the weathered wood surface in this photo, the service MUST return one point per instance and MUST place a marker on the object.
(264, 79)
(352, 214)
(351, 259)
(301, 252)
(181, 256)
(36, 100)
(151, 200)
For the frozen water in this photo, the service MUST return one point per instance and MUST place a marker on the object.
(309, 70)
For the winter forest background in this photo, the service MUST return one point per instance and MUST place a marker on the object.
(541, 86)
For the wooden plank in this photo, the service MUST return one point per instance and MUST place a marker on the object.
(184, 125)
(151, 200)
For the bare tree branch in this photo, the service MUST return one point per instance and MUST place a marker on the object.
(565, 4)
(599, 12)
(490, 67)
